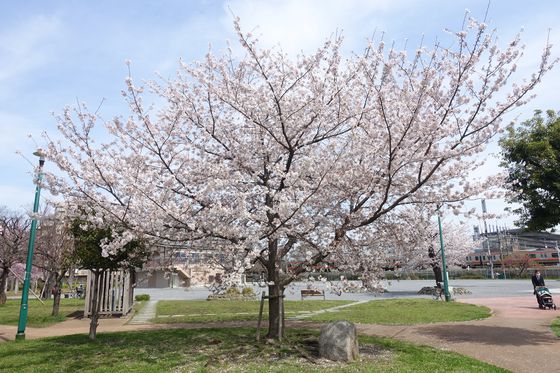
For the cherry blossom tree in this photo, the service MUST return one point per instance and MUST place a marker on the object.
(265, 155)
(14, 235)
(411, 243)
(426, 248)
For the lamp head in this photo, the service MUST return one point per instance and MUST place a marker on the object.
(41, 154)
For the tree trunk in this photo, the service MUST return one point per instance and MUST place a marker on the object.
(434, 263)
(275, 312)
(3, 280)
(57, 291)
(48, 287)
(275, 293)
(437, 274)
(94, 309)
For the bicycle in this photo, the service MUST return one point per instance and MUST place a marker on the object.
(438, 293)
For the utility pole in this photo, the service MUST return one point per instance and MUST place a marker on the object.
(443, 263)
(29, 262)
(487, 240)
(500, 232)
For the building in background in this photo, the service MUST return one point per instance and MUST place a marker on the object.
(174, 266)
(499, 244)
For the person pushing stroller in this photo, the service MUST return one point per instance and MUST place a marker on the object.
(537, 280)
(544, 298)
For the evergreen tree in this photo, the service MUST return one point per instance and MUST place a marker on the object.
(532, 155)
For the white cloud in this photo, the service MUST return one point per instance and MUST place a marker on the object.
(304, 25)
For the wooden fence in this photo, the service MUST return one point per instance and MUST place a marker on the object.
(115, 293)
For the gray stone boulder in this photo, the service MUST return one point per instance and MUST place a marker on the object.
(339, 341)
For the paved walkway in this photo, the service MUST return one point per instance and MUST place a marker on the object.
(318, 312)
(147, 313)
(517, 336)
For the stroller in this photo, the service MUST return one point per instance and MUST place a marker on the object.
(544, 298)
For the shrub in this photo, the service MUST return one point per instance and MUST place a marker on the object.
(469, 276)
(142, 297)
(233, 291)
(247, 291)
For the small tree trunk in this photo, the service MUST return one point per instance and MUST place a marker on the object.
(48, 287)
(71, 278)
(522, 268)
(57, 293)
(3, 280)
(94, 309)
(437, 274)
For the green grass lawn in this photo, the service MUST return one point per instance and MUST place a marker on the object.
(192, 311)
(219, 350)
(39, 315)
(406, 311)
(390, 311)
(556, 326)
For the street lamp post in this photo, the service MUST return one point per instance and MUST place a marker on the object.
(443, 263)
(28, 264)
(490, 261)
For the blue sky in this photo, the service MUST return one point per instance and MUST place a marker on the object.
(55, 52)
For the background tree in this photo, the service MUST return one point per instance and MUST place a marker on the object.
(520, 262)
(91, 253)
(54, 254)
(458, 243)
(14, 235)
(531, 154)
(414, 244)
(264, 156)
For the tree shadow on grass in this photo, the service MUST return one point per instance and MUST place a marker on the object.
(110, 352)
(489, 335)
(161, 350)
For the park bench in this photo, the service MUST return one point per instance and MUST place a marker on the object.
(312, 293)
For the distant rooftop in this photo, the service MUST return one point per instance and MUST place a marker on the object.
(518, 239)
